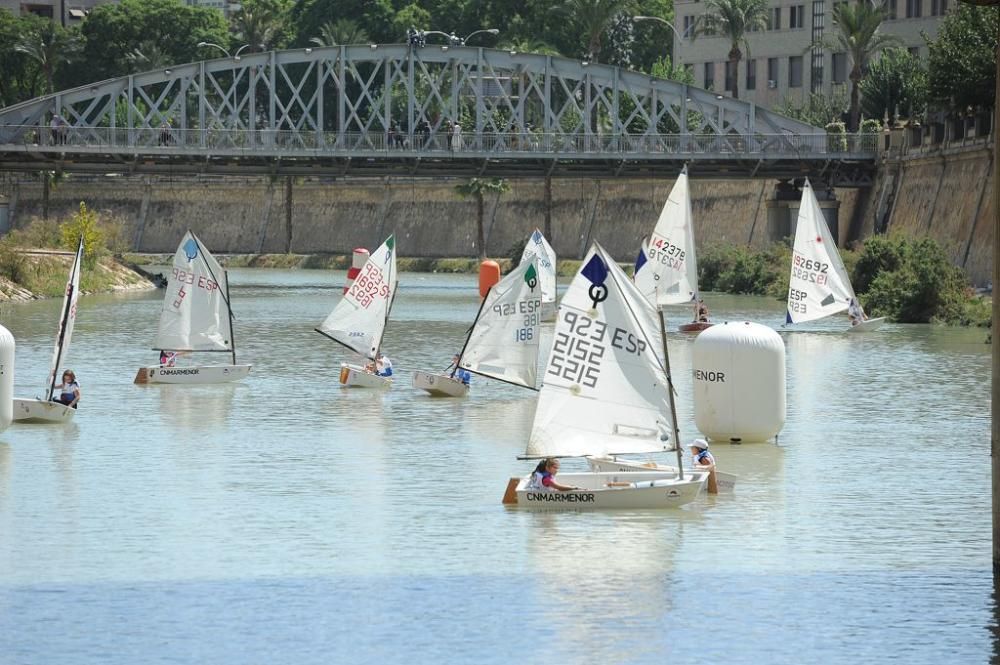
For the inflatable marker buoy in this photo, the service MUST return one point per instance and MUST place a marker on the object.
(358, 260)
(6, 378)
(489, 275)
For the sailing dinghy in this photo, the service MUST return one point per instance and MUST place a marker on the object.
(667, 268)
(503, 341)
(606, 391)
(539, 248)
(197, 317)
(358, 321)
(819, 285)
(44, 410)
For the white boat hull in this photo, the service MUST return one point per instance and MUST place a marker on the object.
(439, 385)
(636, 490)
(39, 411)
(353, 376)
(868, 325)
(192, 375)
(725, 481)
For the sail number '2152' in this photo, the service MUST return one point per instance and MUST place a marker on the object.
(576, 355)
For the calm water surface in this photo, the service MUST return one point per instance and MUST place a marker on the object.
(284, 520)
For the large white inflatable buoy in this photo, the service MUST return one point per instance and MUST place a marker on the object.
(6, 378)
(739, 382)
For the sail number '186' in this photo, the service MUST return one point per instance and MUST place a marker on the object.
(368, 285)
(530, 309)
(577, 354)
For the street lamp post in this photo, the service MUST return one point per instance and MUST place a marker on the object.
(201, 44)
(234, 56)
(418, 37)
(680, 37)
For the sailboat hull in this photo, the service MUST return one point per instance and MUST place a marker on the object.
(725, 481)
(694, 327)
(614, 491)
(868, 325)
(353, 376)
(192, 375)
(40, 411)
(439, 385)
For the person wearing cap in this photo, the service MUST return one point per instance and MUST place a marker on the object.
(699, 451)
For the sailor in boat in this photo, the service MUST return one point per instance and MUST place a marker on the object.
(383, 366)
(543, 478)
(69, 390)
(463, 375)
(699, 451)
(701, 312)
(855, 314)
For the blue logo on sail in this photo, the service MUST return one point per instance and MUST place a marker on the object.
(536, 237)
(596, 273)
(191, 249)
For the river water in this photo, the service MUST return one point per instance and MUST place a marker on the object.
(284, 520)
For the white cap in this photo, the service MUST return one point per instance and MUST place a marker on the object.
(699, 443)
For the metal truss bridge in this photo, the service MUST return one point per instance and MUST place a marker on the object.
(384, 110)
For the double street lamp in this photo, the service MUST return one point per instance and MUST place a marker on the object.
(235, 56)
(419, 37)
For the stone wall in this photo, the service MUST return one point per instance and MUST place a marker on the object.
(428, 216)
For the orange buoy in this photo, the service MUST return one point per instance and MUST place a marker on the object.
(489, 274)
(358, 260)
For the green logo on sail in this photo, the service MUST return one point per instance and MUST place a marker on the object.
(531, 277)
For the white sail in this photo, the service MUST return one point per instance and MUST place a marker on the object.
(671, 273)
(195, 314)
(539, 248)
(604, 389)
(358, 321)
(66, 322)
(642, 276)
(503, 343)
(819, 285)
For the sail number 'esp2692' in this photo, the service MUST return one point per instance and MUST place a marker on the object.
(369, 284)
(577, 354)
(809, 270)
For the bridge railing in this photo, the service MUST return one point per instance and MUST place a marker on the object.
(469, 144)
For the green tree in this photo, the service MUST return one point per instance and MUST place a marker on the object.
(817, 110)
(479, 188)
(858, 33)
(114, 31)
(962, 58)
(896, 82)
(84, 224)
(591, 19)
(50, 46)
(259, 24)
(734, 19)
(344, 31)
(21, 77)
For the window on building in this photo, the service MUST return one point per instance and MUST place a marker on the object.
(839, 67)
(797, 16)
(891, 6)
(939, 7)
(795, 71)
(751, 74)
(774, 19)
(772, 72)
(709, 75)
(688, 26)
(913, 8)
(914, 51)
(730, 74)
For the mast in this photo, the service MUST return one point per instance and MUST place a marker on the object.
(468, 335)
(232, 337)
(67, 306)
(670, 392)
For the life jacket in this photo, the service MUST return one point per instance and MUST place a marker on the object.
(536, 483)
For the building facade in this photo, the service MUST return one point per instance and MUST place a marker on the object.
(66, 12)
(780, 67)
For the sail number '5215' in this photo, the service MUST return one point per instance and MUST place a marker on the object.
(576, 355)
(809, 270)
(530, 309)
(368, 285)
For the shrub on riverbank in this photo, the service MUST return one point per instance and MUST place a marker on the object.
(745, 270)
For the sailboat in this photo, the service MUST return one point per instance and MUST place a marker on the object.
(45, 410)
(606, 391)
(819, 285)
(358, 321)
(196, 317)
(667, 268)
(540, 248)
(502, 343)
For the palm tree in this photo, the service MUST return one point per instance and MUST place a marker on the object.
(479, 188)
(734, 19)
(51, 47)
(858, 35)
(344, 31)
(147, 56)
(257, 24)
(593, 18)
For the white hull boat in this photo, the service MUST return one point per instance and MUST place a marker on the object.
(636, 490)
(439, 385)
(868, 325)
(354, 376)
(192, 375)
(40, 411)
(725, 481)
